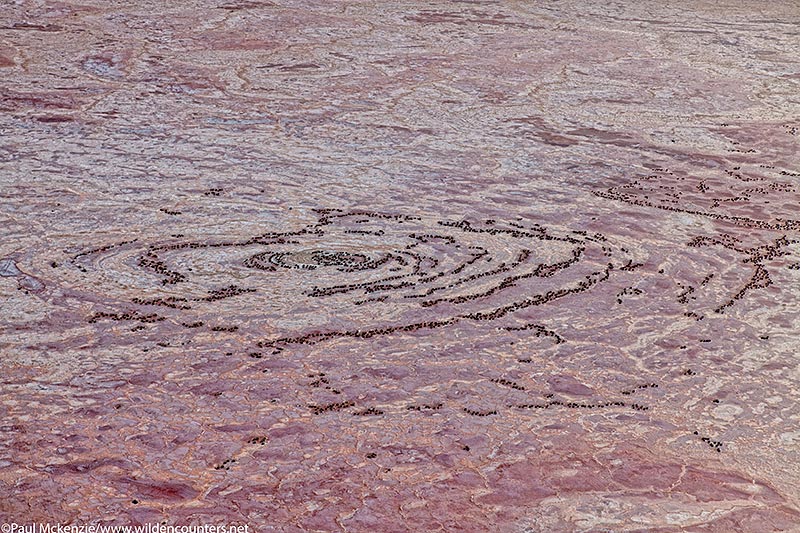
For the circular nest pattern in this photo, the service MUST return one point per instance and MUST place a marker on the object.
(312, 259)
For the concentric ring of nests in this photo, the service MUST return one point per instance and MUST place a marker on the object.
(417, 272)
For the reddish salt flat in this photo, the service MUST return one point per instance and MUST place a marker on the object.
(400, 266)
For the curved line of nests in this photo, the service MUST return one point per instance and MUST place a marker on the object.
(536, 300)
(345, 260)
(716, 445)
(339, 406)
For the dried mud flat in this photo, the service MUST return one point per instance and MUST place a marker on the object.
(401, 266)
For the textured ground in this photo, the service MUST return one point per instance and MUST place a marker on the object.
(401, 266)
